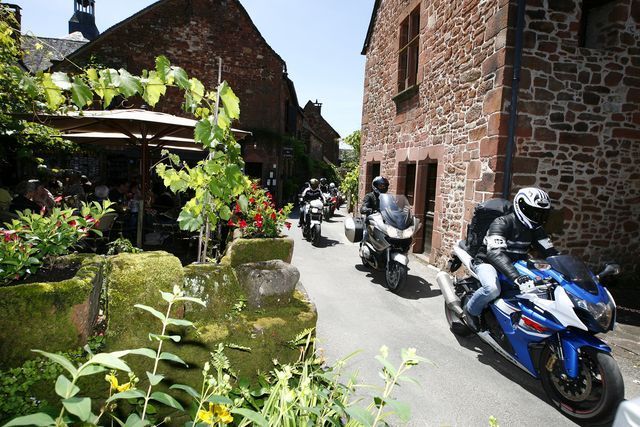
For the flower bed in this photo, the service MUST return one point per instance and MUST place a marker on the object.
(51, 316)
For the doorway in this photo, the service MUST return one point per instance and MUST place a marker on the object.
(253, 170)
(430, 205)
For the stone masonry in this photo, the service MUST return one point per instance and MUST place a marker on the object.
(578, 127)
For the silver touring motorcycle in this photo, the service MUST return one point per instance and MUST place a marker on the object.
(389, 235)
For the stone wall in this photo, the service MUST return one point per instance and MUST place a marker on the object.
(452, 117)
(578, 125)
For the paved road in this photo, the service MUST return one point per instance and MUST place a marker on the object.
(467, 381)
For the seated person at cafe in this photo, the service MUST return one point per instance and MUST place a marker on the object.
(26, 191)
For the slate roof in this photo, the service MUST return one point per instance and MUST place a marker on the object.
(53, 49)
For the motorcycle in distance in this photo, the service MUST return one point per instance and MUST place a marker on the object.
(311, 229)
(388, 239)
(549, 332)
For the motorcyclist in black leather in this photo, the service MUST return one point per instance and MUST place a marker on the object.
(371, 201)
(509, 239)
(313, 192)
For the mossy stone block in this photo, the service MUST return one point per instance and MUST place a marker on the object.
(50, 316)
(242, 251)
(138, 279)
(217, 285)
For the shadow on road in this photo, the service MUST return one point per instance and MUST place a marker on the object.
(415, 288)
(325, 242)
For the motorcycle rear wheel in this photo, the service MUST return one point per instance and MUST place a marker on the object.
(593, 396)
(395, 276)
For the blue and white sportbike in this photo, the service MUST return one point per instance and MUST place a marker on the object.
(549, 332)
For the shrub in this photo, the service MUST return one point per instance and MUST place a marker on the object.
(34, 239)
(256, 215)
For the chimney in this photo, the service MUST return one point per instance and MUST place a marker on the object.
(84, 19)
(318, 105)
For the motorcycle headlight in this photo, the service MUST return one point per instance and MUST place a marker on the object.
(408, 233)
(393, 232)
(314, 210)
(601, 312)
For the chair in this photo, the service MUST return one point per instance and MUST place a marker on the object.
(94, 241)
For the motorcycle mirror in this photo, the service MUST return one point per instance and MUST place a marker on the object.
(609, 270)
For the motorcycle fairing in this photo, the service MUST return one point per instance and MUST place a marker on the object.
(400, 258)
(573, 342)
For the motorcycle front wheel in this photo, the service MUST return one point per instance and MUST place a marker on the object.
(395, 275)
(593, 395)
(315, 235)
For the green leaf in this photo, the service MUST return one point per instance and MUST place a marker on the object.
(187, 221)
(65, 388)
(60, 360)
(151, 310)
(163, 67)
(53, 93)
(92, 75)
(191, 299)
(61, 80)
(181, 78)
(39, 419)
(179, 322)
(402, 409)
(252, 416)
(129, 85)
(189, 390)
(230, 101)
(174, 338)
(154, 379)
(128, 394)
(217, 399)
(196, 89)
(161, 397)
(110, 361)
(203, 132)
(135, 421)
(172, 358)
(147, 352)
(360, 414)
(90, 370)
(153, 90)
(244, 202)
(81, 94)
(78, 406)
(387, 365)
(225, 213)
(168, 296)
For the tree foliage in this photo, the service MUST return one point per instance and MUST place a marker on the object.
(349, 185)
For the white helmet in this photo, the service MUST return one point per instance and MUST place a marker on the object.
(532, 207)
(332, 185)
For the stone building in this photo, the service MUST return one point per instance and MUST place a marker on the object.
(440, 114)
(194, 35)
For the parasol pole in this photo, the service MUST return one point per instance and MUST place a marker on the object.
(144, 185)
(203, 246)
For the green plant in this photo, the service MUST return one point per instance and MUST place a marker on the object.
(255, 214)
(122, 245)
(349, 185)
(33, 239)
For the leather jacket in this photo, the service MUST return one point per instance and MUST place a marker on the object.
(370, 203)
(311, 194)
(508, 240)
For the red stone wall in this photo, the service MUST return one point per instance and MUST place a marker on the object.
(579, 127)
(452, 118)
(323, 130)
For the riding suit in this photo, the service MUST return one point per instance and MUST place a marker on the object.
(307, 195)
(507, 241)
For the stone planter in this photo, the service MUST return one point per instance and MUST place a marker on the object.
(268, 282)
(242, 251)
(50, 316)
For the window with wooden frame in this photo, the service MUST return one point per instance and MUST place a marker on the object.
(408, 50)
(410, 182)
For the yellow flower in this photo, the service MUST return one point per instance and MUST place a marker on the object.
(216, 413)
(222, 414)
(206, 416)
(113, 383)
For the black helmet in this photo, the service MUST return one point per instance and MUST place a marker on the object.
(380, 184)
(307, 185)
(314, 183)
(532, 207)
(323, 181)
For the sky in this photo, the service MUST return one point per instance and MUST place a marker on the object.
(320, 40)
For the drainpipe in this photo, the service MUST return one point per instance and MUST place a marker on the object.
(513, 111)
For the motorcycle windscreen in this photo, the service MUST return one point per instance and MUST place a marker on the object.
(574, 270)
(396, 211)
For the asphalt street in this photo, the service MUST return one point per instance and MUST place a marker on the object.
(464, 384)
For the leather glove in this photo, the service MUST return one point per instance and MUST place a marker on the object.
(526, 284)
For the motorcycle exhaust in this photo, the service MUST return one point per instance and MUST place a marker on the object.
(445, 282)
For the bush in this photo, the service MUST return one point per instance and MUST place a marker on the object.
(255, 214)
(34, 239)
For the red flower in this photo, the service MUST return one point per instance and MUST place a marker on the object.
(252, 200)
(73, 223)
(89, 219)
(230, 223)
(265, 204)
(288, 225)
(242, 223)
(259, 224)
(273, 216)
(10, 235)
(43, 210)
(237, 209)
(254, 186)
(58, 199)
(257, 218)
(269, 195)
